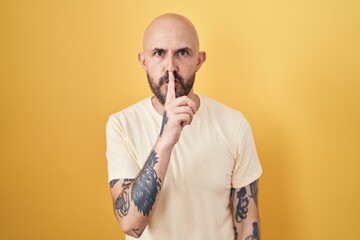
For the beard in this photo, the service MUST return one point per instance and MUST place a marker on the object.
(185, 86)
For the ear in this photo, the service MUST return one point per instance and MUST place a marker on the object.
(201, 60)
(141, 59)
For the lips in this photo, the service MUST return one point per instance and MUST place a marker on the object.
(167, 81)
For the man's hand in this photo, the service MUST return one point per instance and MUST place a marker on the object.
(178, 112)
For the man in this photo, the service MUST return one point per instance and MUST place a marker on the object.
(181, 166)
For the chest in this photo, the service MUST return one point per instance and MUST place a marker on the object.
(203, 158)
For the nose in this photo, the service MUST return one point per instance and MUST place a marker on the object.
(171, 64)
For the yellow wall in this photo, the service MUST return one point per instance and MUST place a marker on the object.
(292, 67)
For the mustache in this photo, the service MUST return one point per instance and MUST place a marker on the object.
(166, 78)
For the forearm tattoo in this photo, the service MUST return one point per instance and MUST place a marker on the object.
(255, 235)
(122, 203)
(254, 191)
(113, 182)
(164, 122)
(242, 206)
(146, 186)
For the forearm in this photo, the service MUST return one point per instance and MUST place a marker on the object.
(248, 229)
(245, 212)
(137, 198)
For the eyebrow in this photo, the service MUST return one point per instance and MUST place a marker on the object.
(177, 50)
(157, 49)
(184, 49)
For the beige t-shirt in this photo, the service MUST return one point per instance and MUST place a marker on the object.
(214, 153)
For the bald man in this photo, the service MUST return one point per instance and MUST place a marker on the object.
(181, 165)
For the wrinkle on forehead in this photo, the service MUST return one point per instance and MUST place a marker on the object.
(169, 27)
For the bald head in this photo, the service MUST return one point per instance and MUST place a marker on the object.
(170, 27)
(171, 44)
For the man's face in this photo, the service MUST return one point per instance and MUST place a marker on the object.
(170, 45)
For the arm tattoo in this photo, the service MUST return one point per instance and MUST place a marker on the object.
(255, 235)
(146, 186)
(136, 231)
(127, 182)
(236, 233)
(164, 122)
(113, 182)
(242, 206)
(254, 191)
(122, 203)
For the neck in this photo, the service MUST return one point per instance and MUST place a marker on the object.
(160, 108)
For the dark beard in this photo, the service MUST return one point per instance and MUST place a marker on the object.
(186, 86)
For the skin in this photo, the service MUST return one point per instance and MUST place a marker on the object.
(171, 34)
(170, 44)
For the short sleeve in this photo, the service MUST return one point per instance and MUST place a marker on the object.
(120, 159)
(247, 165)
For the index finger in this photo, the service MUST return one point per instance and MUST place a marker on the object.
(170, 95)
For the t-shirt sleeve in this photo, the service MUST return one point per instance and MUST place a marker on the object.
(120, 159)
(247, 165)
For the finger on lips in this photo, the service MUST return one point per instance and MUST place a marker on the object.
(183, 106)
(170, 95)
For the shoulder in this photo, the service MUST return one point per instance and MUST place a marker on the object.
(140, 107)
(136, 112)
(227, 116)
(220, 109)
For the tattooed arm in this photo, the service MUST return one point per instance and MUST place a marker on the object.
(245, 212)
(135, 200)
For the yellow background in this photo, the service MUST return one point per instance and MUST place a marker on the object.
(292, 67)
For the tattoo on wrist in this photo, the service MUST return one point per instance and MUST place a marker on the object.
(146, 186)
(255, 235)
(242, 206)
(164, 122)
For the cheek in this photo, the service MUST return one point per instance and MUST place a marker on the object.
(192, 63)
(152, 64)
(154, 73)
(187, 69)
(156, 68)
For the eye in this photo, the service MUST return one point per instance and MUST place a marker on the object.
(159, 53)
(182, 52)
